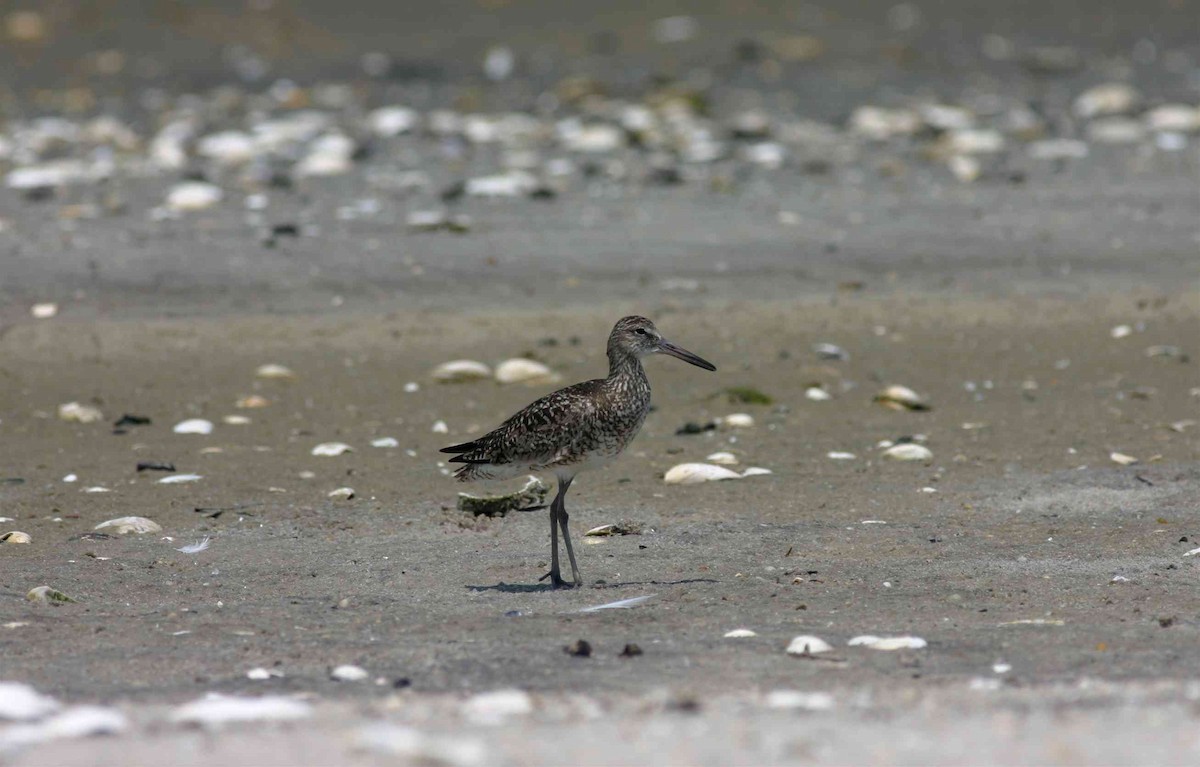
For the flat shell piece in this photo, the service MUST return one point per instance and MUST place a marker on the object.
(175, 479)
(740, 634)
(332, 449)
(124, 525)
(78, 413)
(899, 397)
(737, 421)
(1121, 458)
(888, 643)
(529, 497)
(722, 459)
(193, 426)
(908, 451)
(806, 644)
(520, 370)
(274, 370)
(695, 473)
(348, 673)
(756, 471)
(460, 371)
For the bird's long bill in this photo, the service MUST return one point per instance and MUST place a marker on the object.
(667, 347)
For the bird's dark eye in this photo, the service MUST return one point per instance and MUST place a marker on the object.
(640, 331)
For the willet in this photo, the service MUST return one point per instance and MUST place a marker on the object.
(574, 429)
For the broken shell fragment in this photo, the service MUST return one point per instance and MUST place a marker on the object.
(839, 455)
(908, 451)
(525, 371)
(124, 525)
(192, 196)
(808, 645)
(888, 643)
(175, 479)
(47, 595)
(78, 413)
(1106, 99)
(43, 311)
(756, 471)
(740, 634)
(722, 459)
(273, 370)
(899, 397)
(193, 426)
(817, 394)
(695, 473)
(1122, 458)
(459, 371)
(385, 442)
(342, 494)
(529, 497)
(348, 673)
(737, 421)
(235, 420)
(332, 448)
(16, 536)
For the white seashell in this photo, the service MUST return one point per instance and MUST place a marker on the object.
(124, 525)
(1000, 667)
(193, 426)
(235, 420)
(329, 155)
(514, 183)
(342, 493)
(737, 421)
(459, 371)
(71, 478)
(756, 471)
(227, 147)
(175, 479)
(261, 674)
(385, 442)
(899, 397)
(332, 448)
(722, 459)
(193, 195)
(973, 141)
(817, 394)
(495, 707)
(1121, 458)
(837, 455)
(525, 371)
(55, 174)
(96, 489)
(20, 702)
(16, 536)
(888, 643)
(412, 387)
(74, 411)
(216, 709)
(827, 351)
(43, 311)
(440, 427)
(1173, 117)
(1106, 99)
(794, 699)
(879, 124)
(392, 121)
(808, 645)
(908, 451)
(47, 595)
(273, 370)
(1121, 331)
(766, 154)
(348, 673)
(590, 139)
(945, 117)
(740, 634)
(695, 473)
(1191, 553)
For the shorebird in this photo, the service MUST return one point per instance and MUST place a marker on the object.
(574, 429)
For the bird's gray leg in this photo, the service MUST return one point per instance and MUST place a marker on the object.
(556, 507)
(563, 518)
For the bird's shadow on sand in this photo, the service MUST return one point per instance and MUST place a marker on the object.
(530, 588)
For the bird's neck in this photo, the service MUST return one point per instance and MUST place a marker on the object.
(622, 364)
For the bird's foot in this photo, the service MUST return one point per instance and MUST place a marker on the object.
(556, 581)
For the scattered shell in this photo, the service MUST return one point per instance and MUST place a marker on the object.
(439, 427)
(227, 147)
(899, 397)
(1191, 553)
(532, 495)
(514, 183)
(756, 471)
(197, 547)
(972, 141)
(1173, 117)
(695, 473)
(385, 442)
(740, 634)
(124, 525)
(262, 674)
(330, 155)
(1116, 130)
(495, 707)
(737, 421)
(20, 702)
(722, 459)
(1106, 99)
(216, 709)
(817, 394)
(342, 494)
(879, 124)
(274, 370)
(1121, 331)
(175, 479)
(794, 699)
(193, 426)
(459, 371)
(525, 371)
(332, 448)
(837, 455)
(235, 420)
(47, 595)
(392, 121)
(827, 351)
(193, 196)
(43, 311)
(252, 401)
(808, 645)
(888, 643)
(77, 413)
(908, 451)
(348, 673)
(16, 536)
(1121, 458)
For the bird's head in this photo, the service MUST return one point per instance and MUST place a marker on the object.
(637, 336)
